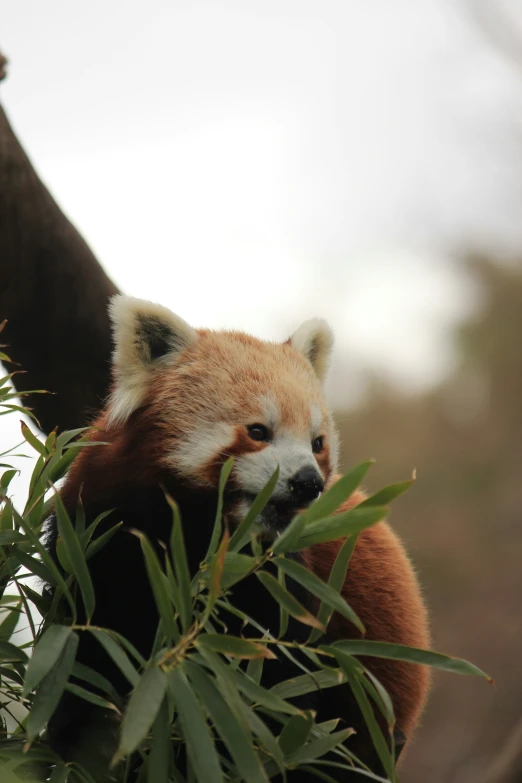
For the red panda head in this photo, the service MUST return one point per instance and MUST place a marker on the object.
(214, 394)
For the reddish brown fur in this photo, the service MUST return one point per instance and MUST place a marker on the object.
(382, 589)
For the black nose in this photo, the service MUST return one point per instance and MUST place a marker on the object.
(306, 485)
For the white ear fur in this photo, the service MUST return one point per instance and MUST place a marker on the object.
(314, 339)
(145, 335)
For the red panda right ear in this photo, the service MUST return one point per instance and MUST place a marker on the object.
(145, 335)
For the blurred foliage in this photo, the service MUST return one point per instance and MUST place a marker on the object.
(463, 522)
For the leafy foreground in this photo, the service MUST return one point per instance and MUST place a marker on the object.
(201, 687)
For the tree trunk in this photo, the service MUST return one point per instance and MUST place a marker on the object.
(53, 293)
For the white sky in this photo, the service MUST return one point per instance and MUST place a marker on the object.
(252, 164)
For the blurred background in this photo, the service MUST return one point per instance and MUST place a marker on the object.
(251, 165)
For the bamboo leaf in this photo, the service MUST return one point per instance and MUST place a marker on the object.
(320, 746)
(196, 733)
(155, 575)
(285, 599)
(32, 440)
(319, 588)
(218, 524)
(51, 688)
(295, 733)
(9, 652)
(142, 710)
(330, 500)
(233, 646)
(75, 556)
(336, 581)
(306, 683)
(242, 532)
(92, 698)
(347, 523)
(230, 730)
(45, 654)
(385, 496)
(179, 559)
(354, 677)
(401, 652)
(118, 655)
(235, 568)
(216, 572)
(291, 535)
(159, 758)
(101, 541)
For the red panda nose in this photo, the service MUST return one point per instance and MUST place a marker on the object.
(306, 485)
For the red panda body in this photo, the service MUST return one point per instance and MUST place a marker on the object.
(182, 402)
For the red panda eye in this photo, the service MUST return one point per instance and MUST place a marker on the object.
(259, 432)
(318, 444)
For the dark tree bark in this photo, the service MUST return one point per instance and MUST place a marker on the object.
(53, 293)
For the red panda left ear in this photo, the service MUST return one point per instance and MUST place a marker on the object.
(314, 339)
(146, 335)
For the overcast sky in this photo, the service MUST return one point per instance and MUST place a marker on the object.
(254, 163)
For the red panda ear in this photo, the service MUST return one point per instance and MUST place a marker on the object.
(145, 335)
(314, 339)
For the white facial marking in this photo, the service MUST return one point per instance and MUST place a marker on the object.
(317, 419)
(200, 446)
(271, 415)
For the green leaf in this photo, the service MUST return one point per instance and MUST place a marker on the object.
(11, 537)
(259, 695)
(86, 536)
(75, 556)
(291, 535)
(32, 440)
(233, 646)
(57, 578)
(385, 496)
(285, 599)
(336, 581)
(179, 559)
(354, 677)
(155, 575)
(93, 698)
(228, 727)
(119, 656)
(10, 621)
(95, 679)
(101, 541)
(306, 683)
(9, 652)
(196, 733)
(218, 524)
(347, 523)
(283, 614)
(142, 709)
(317, 587)
(159, 758)
(7, 477)
(330, 500)
(34, 565)
(399, 652)
(242, 532)
(46, 652)
(216, 572)
(40, 600)
(320, 746)
(51, 688)
(295, 733)
(235, 568)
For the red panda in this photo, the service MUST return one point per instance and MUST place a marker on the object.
(183, 400)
